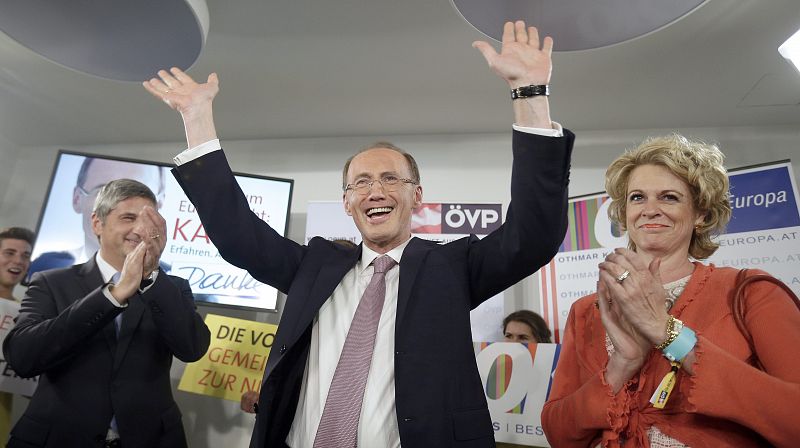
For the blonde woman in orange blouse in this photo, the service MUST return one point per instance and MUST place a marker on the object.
(654, 358)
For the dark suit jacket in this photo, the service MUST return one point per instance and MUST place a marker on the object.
(65, 333)
(439, 395)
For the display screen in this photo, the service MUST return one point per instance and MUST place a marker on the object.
(65, 237)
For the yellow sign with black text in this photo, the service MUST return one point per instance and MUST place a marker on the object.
(235, 360)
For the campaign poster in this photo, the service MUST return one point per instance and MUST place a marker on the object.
(65, 234)
(9, 380)
(235, 360)
(517, 379)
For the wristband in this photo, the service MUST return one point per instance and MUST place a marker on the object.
(681, 346)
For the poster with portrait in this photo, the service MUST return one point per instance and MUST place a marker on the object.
(65, 235)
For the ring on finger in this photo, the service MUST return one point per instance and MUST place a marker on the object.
(609, 300)
(623, 276)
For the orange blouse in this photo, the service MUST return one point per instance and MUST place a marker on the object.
(727, 402)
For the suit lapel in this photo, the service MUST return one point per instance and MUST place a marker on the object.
(91, 279)
(329, 277)
(130, 320)
(90, 275)
(409, 268)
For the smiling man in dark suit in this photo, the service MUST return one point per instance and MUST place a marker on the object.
(368, 353)
(102, 335)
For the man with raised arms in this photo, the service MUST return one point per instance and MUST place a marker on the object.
(374, 346)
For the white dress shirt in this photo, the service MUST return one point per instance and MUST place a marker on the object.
(377, 426)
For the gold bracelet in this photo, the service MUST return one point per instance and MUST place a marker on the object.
(674, 327)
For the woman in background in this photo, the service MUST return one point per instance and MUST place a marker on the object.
(525, 326)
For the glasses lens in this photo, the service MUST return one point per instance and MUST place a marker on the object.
(388, 184)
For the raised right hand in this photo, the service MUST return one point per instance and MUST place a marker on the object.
(181, 92)
(131, 275)
(191, 99)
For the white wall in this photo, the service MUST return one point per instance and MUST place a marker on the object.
(454, 168)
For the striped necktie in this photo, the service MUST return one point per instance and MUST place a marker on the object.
(118, 319)
(117, 325)
(338, 426)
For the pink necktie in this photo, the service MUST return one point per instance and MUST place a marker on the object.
(338, 426)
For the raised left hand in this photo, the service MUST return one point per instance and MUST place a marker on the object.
(523, 60)
(640, 297)
(154, 236)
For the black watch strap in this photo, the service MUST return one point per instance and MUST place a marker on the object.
(147, 281)
(529, 91)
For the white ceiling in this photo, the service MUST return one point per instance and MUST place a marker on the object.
(301, 68)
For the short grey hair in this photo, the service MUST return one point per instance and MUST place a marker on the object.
(117, 191)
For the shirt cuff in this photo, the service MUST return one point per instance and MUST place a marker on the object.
(555, 131)
(197, 152)
(107, 293)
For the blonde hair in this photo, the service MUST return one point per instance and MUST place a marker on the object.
(698, 164)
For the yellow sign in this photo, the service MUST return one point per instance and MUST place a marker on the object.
(235, 360)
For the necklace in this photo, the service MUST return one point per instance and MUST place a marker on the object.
(674, 290)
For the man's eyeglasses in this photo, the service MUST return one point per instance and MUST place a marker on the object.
(389, 183)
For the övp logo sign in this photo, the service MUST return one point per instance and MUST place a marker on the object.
(471, 218)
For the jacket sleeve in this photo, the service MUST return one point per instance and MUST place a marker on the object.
(42, 337)
(725, 386)
(536, 219)
(174, 313)
(242, 238)
(582, 405)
